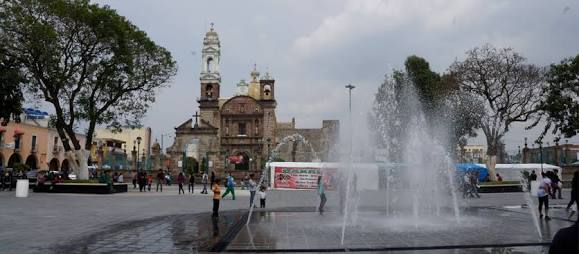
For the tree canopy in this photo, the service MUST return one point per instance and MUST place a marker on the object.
(443, 104)
(11, 97)
(560, 105)
(91, 64)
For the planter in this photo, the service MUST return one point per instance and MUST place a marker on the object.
(87, 188)
(495, 188)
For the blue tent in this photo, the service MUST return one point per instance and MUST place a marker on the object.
(466, 167)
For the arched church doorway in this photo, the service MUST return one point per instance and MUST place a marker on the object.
(32, 162)
(53, 164)
(243, 162)
(14, 158)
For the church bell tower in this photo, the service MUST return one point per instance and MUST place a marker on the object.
(210, 78)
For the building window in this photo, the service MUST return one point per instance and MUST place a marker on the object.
(256, 127)
(241, 108)
(242, 130)
(17, 142)
(33, 142)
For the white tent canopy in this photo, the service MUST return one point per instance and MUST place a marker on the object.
(512, 172)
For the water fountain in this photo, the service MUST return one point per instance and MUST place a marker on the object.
(275, 153)
(408, 201)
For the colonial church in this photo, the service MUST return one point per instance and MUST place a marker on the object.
(237, 134)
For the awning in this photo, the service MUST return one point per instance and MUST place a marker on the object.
(236, 159)
(468, 167)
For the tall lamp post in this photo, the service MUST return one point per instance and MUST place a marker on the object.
(541, 154)
(138, 150)
(350, 87)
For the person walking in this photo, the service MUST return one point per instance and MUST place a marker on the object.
(204, 181)
(473, 184)
(149, 182)
(142, 181)
(212, 178)
(191, 185)
(322, 194)
(262, 197)
(180, 181)
(252, 189)
(160, 179)
(543, 194)
(216, 197)
(555, 181)
(230, 186)
(574, 193)
(120, 178)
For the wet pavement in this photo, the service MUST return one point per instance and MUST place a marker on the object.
(481, 230)
(154, 222)
(166, 234)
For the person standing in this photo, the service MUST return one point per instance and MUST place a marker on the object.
(574, 193)
(322, 194)
(135, 180)
(9, 176)
(160, 179)
(252, 189)
(120, 178)
(204, 181)
(230, 186)
(216, 197)
(180, 181)
(262, 197)
(212, 178)
(533, 176)
(191, 185)
(3, 179)
(543, 194)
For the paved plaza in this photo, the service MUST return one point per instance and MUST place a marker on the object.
(158, 222)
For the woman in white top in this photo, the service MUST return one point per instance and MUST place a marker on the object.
(543, 194)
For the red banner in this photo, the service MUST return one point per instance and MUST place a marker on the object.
(302, 178)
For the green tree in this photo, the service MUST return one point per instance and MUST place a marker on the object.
(204, 166)
(453, 112)
(10, 89)
(560, 105)
(91, 64)
(507, 86)
(191, 166)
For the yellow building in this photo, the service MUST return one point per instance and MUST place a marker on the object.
(472, 153)
(32, 143)
(129, 139)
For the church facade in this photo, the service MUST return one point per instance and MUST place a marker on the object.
(237, 134)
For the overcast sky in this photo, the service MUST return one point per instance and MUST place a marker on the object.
(314, 48)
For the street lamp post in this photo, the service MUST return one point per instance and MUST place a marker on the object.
(138, 150)
(541, 154)
(350, 87)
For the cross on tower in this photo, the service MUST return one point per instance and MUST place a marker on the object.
(196, 115)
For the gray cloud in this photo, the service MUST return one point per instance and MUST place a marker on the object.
(314, 48)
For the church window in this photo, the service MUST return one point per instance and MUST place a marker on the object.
(209, 64)
(242, 130)
(256, 127)
(209, 91)
(241, 108)
(267, 90)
